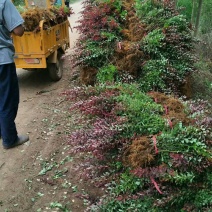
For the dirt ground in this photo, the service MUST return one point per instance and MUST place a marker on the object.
(40, 175)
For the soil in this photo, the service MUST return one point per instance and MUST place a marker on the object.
(41, 175)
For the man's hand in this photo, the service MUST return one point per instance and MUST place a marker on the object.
(19, 30)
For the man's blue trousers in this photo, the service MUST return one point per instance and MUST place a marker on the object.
(9, 100)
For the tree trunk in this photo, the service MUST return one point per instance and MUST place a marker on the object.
(198, 18)
(193, 12)
(175, 4)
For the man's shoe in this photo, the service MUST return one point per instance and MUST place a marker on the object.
(21, 140)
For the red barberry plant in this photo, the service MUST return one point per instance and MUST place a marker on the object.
(99, 29)
(113, 111)
(176, 174)
(179, 170)
(146, 40)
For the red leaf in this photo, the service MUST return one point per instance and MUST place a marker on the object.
(166, 109)
(155, 143)
(119, 45)
(156, 185)
(170, 123)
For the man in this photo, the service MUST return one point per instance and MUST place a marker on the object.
(10, 22)
(58, 2)
(67, 3)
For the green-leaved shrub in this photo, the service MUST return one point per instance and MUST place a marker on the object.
(168, 44)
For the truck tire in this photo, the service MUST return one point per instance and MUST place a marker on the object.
(56, 69)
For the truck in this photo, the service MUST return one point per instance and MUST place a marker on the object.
(44, 48)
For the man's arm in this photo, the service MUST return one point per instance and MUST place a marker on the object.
(19, 30)
(12, 19)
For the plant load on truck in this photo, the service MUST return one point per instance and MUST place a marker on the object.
(53, 15)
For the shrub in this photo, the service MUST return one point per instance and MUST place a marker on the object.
(125, 122)
(168, 45)
(140, 110)
(99, 29)
(116, 112)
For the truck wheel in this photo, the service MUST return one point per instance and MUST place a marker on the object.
(56, 69)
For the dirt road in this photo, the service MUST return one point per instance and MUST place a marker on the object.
(43, 114)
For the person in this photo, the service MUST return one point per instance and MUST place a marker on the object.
(58, 2)
(10, 23)
(67, 3)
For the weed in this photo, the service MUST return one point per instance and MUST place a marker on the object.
(46, 166)
(59, 206)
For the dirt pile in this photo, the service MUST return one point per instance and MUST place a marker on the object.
(140, 153)
(173, 108)
(128, 56)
